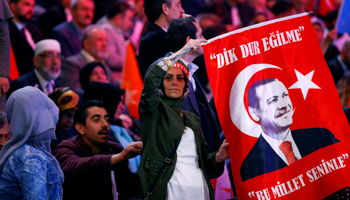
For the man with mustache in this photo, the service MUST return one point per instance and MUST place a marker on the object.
(278, 146)
(47, 63)
(94, 167)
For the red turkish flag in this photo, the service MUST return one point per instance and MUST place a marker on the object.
(301, 106)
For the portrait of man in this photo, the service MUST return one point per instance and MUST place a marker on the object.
(277, 145)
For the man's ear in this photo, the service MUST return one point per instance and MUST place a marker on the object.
(12, 6)
(85, 43)
(80, 128)
(188, 38)
(254, 113)
(165, 8)
(36, 61)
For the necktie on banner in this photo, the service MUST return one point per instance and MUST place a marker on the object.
(131, 82)
(269, 80)
(286, 148)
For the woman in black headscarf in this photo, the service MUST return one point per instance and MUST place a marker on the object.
(93, 72)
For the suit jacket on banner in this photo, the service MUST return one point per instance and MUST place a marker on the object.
(263, 159)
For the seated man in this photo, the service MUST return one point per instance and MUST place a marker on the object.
(94, 43)
(94, 167)
(47, 62)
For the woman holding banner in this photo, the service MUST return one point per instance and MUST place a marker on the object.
(175, 158)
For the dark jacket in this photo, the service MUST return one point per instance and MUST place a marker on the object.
(163, 128)
(152, 47)
(28, 79)
(52, 17)
(69, 37)
(88, 176)
(336, 69)
(24, 53)
(263, 159)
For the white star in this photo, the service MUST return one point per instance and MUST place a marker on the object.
(128, 95)
(304, 83)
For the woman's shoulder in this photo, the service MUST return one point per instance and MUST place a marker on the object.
(28, 152)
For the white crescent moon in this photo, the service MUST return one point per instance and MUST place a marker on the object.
(239, 114)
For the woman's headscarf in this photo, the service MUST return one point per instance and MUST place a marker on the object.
(86, 71)
(32, 117)
(109, 94)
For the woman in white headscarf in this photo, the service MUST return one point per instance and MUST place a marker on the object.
(27, 168)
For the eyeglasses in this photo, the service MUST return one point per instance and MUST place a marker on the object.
(51, 55)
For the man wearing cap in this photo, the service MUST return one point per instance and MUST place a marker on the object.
(47, 62)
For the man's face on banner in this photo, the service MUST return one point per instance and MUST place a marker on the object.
(275, 107)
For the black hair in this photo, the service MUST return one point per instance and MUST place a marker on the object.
(119, 7)
(81, 113)
(253, 99)
(86, 71)
(153, 8)
(178, 31)
(281, 7)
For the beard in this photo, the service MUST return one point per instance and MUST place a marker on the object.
(99, 55)
(48, 74)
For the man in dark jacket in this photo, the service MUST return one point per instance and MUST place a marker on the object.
(153, 45)
(94, 167)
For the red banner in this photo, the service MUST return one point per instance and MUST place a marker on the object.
(280, 111)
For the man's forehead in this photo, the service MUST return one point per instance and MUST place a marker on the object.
(97, 34)
(49, 51)
(95, 110)
(5, 129)
(270, 89)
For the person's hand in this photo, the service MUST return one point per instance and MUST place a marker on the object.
(126, 121)
(193, 44)
(332, 34)
(184, 15)
(132, 149)
(4, 85)
(223, 153)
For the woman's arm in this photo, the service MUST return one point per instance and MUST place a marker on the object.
(149, 96)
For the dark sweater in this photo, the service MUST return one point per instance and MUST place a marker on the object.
(88, 176)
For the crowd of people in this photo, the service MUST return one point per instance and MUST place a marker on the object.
(65, 130)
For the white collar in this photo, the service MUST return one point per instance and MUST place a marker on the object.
(274, 143)
(41, 79)
(88, 57)
(19, 25)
